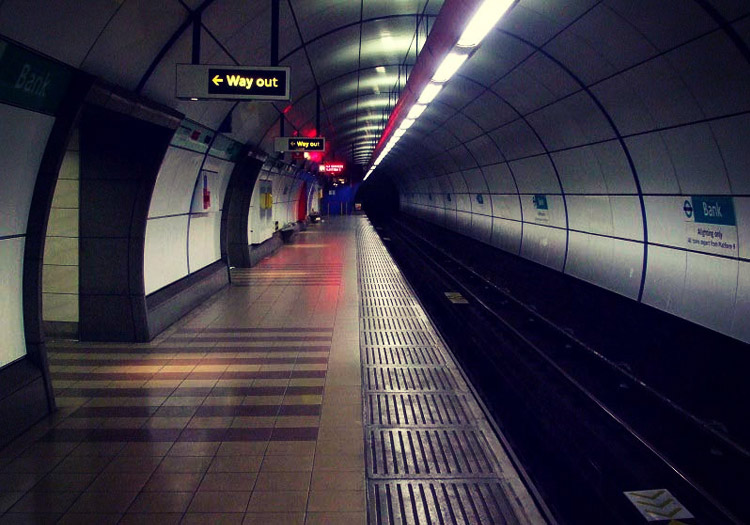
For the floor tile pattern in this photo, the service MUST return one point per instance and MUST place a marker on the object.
(431, 455)
(248, 410)
(268, 272)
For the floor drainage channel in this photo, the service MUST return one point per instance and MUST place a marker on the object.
(431, 455)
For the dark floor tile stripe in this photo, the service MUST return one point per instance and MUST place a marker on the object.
(203, 435)
(113, 392)
(122, 411)
(247, 338)
(253, 330)
(186, 362)
(137, 376)
(248, 434)
(195, 349)
(295, 434)
(257, 410)
(140, 435)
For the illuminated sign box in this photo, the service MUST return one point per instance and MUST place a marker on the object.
(232, 82)
(333, 167)
(300, 144)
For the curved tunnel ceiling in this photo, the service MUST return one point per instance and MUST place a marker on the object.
(355, 52)
(556, 76)
(548, 65)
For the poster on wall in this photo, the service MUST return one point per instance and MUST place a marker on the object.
(710, 224)
(203, 199)
(542, 209)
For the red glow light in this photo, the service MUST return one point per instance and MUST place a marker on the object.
(316, 156)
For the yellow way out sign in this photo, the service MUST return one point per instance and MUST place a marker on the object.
(232, 82)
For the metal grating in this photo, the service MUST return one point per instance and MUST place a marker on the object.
(431, 456)
(417, 410)
(419, 453)
(441, 502)
(390, 311)
(389, 302)
(398, 338)
(411, 355)
(389, 293)
(392, 323)
(404, 379)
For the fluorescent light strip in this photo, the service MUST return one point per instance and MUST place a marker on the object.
(429, 93)
(415, 111)
(488, 14)
(406, 124)
(449, 66)
(480, 24)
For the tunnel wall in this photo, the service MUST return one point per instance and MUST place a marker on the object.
(623, 165)
(283, 181)
(182, 236)
(24, 135)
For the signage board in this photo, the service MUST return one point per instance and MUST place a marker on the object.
(31, 81)
(710, 224)
(333, 167)
(231, 82)
(300, 144)
(541, 205)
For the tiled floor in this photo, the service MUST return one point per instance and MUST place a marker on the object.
(249, 410)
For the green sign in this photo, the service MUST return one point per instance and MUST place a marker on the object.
(540, 202)
(711, 210)
(31, 81)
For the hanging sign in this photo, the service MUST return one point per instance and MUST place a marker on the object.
(333, 167)
(300, 144)
(231, 82)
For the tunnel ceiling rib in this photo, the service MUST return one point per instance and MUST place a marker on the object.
(356, 52)
(358, 61)
(523, 51)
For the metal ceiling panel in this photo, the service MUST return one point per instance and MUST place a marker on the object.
(127, 44)
(581, 57)
(624, 45)
(38, 24)
(230, 19)
(497, 56)
(666, 23)
(321, 16)
(489, 111)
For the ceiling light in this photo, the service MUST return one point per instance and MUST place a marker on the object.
(449, 66)
(399, 133)
(380, 69)
(193, 98)
(429, 93)
(415, 111)
(488, 14)
(406, 124)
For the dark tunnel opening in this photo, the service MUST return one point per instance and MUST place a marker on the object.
(380, 199)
